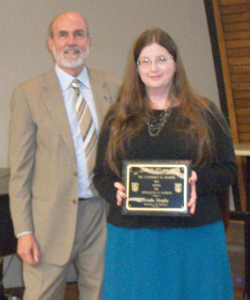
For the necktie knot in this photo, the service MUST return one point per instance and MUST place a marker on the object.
(75, 84)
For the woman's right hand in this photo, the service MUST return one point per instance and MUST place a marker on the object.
(120, 193)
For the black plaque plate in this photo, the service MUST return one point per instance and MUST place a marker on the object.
(156, 187)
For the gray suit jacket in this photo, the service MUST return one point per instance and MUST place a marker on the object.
(44, 180)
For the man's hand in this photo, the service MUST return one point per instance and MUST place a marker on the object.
(27, 249)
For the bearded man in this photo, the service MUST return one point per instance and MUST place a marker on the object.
(58, 217)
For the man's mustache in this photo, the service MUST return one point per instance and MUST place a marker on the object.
(72, 48)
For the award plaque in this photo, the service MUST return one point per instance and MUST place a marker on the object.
(156, 187)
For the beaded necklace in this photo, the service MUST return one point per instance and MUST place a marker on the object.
(156, 123)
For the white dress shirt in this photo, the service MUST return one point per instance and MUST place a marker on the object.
(67, 92)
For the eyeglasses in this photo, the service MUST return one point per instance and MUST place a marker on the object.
(159, 61)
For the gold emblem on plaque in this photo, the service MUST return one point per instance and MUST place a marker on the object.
(178, 187)
(135, 186)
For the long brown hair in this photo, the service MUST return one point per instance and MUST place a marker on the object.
(128, 115)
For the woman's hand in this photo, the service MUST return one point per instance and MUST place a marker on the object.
(192, 202)
(120, 193)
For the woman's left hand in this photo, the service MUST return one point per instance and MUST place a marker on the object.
(192, 202)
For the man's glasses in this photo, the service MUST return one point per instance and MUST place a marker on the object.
(159, 61)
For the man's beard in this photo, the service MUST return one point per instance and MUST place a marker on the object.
(70, 64)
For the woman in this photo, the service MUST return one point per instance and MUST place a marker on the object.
(158, 116)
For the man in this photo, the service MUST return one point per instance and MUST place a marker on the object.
(57, 217)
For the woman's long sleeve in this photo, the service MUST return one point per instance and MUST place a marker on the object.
(219, 175)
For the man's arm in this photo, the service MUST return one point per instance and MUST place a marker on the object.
(21, 158)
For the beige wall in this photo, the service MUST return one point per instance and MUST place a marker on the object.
(114, 24)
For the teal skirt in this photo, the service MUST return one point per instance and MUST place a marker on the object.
(167, 264)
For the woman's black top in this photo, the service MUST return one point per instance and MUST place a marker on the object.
(173, 143)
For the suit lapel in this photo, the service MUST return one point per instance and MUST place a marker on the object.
(54, 103)
(53, 100)
(100, 93)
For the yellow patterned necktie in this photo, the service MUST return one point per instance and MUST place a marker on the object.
(87, 126)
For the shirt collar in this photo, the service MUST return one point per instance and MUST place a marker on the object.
(65, 79)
